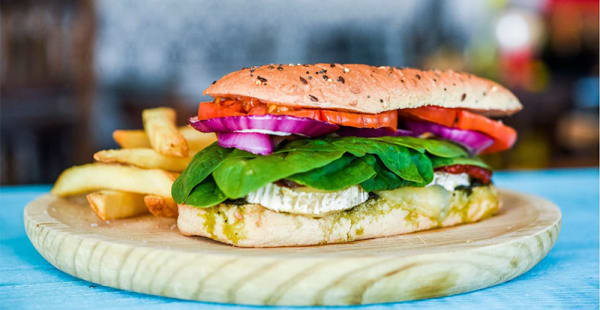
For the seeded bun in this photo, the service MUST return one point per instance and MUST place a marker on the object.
(365, 89)
(253, 225)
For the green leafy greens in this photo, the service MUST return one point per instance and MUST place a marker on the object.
(346, 171)
(201, 166)
(330, 163)
(236, 176)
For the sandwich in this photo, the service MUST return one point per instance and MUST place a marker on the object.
(332, 153)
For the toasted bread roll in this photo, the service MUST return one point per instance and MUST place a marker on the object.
(365, 88)
(252, 225)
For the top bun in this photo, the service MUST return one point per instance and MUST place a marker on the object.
(366, 89)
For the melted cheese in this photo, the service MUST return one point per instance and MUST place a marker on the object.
(318, 203)
(307, 201)
(450, 181)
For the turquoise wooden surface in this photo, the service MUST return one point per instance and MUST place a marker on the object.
(566, 278)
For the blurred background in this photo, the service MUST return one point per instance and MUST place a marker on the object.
(72, 71)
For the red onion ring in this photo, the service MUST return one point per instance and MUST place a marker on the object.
(265, 124)
(252, 142)
(475, 142)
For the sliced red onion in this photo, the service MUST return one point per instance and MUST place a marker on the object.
(473, 141)
(252, 142)
(372, 132)
(266, 124)
(266, 132)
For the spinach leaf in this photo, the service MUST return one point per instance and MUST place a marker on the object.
(339, 174)
(396, 158)
(328, 163)
(402, 155)
(435, 147)
(424, 166)
(201, 166)
(442, 162)
(383, 179)
(237, 176)
(206, 194)
(308, 145)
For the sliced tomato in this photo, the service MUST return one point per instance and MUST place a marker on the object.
(438, 115)
(208, 110)
(504, 136)
(307, 113)
(475, 172)
(387, 119)
(258, 110)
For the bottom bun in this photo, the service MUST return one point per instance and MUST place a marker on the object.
(252, 225)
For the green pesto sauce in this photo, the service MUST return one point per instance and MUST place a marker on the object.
(460, 202)
(359, 231)
(411, 217)
(234, 231)
(209, 221)
(232, 227)
(371, 208)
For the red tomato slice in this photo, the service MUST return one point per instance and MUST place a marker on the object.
(208, 110)
(258, 110)
(387, 119)
(504, 136)
(307, 113)
(482, 174)
(442, 116)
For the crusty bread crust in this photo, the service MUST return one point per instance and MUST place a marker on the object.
(252, 225)
(365, 88)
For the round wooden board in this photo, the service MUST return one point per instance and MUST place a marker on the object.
(148, 255)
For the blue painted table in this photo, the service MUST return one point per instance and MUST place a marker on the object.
(566, 278)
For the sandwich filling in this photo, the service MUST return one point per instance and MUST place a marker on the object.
(316, 162)
(296, 199)
(318, 176)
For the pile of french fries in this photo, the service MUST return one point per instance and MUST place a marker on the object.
(137, 178)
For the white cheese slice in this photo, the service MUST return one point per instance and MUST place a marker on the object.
(450, 181)
(306, 200)
(318, 203)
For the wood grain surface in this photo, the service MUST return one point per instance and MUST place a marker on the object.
(147, 254)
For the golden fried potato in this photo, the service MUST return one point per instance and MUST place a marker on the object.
(131, 138)
(161, 206)
(197, 140)
(143, 158)
(138, 139)
(96, 176)
(112, 205)
(159, 124)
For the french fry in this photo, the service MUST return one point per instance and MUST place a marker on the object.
(143, 158)
(161, 206)
(197, 140)
(159, 124)
(112, 205)
(91, 177)
(131, 138)
(138, 139)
